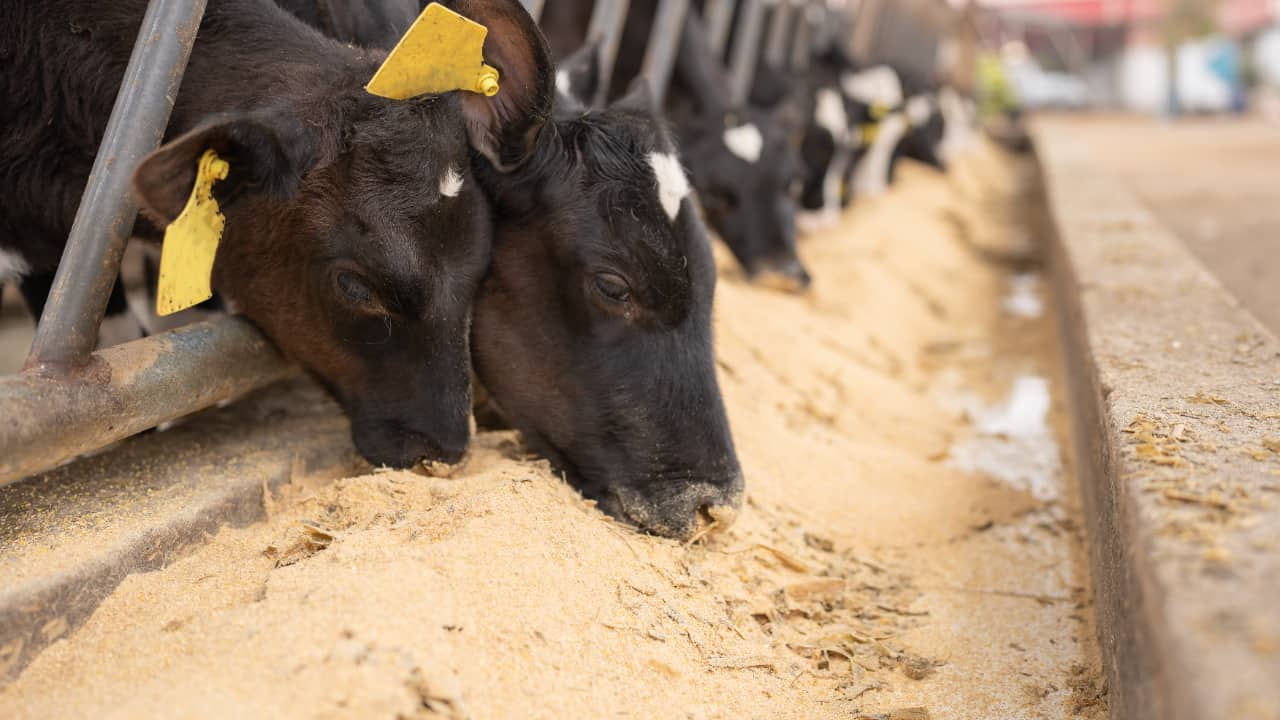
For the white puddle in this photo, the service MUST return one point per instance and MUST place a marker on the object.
(1014, 443)
(1023, 300)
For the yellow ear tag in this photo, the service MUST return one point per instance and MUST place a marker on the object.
(191, 242)
(869, 133)
(442, 52)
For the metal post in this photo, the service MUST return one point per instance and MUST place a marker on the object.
(746, 51)
(534, 7)
(802, 43)
(718, 14)
(775, 49)
(606, 29)
(664, 43)
(68, 329)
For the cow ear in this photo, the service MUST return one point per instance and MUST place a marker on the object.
(265, 155)
(504, 128)
(639, 97)
(578, 75)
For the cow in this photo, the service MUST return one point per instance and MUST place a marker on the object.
(592, 329)
(356, 234)
(743, 160)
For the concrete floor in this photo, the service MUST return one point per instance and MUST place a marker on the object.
(1214, 182)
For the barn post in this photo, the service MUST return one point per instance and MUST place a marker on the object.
(68, 329)
(607, 21)
(718, 14)
(664, 44)
(746, 51)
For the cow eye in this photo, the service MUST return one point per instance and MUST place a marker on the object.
(356, 292)
(612, 287)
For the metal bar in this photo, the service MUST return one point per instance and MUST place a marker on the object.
(130, 388)
(664, 44)
(746, 51)
(775, 49)
(534, 7)
(802, 44)
(718, 15)
(606, 29)
(68, 329)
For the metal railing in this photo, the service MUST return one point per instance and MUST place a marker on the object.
(70, 400)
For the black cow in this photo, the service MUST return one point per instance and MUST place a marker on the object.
(592, 330)
(356, 235)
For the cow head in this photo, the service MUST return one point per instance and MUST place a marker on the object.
(593, 329)
(356, 235)
(745, 167)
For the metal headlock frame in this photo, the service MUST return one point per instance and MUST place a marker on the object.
(70, 400)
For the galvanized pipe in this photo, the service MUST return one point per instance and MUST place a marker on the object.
(68, 329)
(775, 49)
(807, 22)
(605, 29)
(127, 389)
(717, 15)
(664, 45)
(746, 51)
(534, 7)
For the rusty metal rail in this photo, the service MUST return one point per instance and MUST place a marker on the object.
(128, 389)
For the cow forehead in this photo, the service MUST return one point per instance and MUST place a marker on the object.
(875, 86)
(673, 184)
(746, 141)
(919, 108)
(829, 113)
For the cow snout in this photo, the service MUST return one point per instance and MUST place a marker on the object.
(787, 275)
(398, 445)
(683, 511)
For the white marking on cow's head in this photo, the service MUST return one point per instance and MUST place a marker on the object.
(876, 86)
(872, 174)
(918, 110)
(451, 183)
(563, 84)
(745, 141)
(673, 184)
(12, 265)
(829, 114)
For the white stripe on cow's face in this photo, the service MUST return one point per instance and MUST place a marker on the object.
(563, 85)
(673, 185)
(872, 175)
(451, 183)
(918, 110)
(875, 86)
(12, 265)
(745, 141)
(829, 115)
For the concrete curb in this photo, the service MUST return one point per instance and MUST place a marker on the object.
(1177, 405)
(70, 536)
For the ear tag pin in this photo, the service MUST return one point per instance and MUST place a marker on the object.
(191, 242)
(442, 52)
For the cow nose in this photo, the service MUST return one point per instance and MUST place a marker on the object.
(685, 511)
(787, 275)
(396, 445)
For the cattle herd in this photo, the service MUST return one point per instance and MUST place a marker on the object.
(550, 242)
